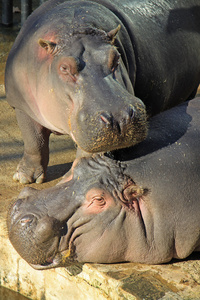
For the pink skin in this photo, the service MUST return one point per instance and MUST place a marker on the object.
(97, 200)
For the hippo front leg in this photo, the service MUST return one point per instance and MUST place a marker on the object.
(33, 165)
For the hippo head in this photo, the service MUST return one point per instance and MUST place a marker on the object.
(89, 218)
(90, 94)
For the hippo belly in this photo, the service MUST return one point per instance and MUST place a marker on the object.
(96, 70)
(142, 206)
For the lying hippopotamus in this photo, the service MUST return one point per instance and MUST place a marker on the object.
(81, 68)
(144, 208)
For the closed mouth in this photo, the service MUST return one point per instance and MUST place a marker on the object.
(59, 260)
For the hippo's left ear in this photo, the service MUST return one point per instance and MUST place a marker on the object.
(50, 47)
(112, 34)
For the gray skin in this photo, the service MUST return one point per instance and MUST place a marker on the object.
(81, 68)
(143, 207)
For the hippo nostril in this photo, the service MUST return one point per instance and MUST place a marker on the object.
(16, 205)
(14, 209)
(27, 220)
(131, 111)
(107, 118)
(118, 127)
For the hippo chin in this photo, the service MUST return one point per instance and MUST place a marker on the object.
(143, 207)
(96, 70)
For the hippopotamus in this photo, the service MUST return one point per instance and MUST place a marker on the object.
(140, 204)
(97, 70)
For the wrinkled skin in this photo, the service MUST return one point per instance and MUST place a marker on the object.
(96, 69)
(144, 208)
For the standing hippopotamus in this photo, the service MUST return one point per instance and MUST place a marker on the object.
(144, 208)
(81, 68)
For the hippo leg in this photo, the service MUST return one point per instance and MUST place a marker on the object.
(34, 163)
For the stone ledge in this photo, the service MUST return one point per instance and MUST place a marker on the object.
(179, 280)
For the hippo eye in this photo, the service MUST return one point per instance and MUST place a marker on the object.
(68, 69)
(65, 69)
(68, 72)
(99, 201)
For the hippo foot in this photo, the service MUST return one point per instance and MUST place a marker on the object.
(29, 172)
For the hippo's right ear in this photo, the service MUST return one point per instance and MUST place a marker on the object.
(50, 47)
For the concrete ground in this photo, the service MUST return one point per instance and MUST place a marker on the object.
(176, 280)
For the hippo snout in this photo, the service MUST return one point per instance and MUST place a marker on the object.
(111, 129)
(118, 122)
(34, 232)
(45, 233)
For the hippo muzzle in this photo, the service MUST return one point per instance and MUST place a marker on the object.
(96, 129)
(36, 236)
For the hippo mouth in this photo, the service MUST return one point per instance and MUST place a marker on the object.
(60, 259)
(64, 256)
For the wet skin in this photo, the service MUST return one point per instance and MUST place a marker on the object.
(96, 71)
(140, 205)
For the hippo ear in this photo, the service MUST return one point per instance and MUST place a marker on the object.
(133, 192)
(50, 47)
(112, 34)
